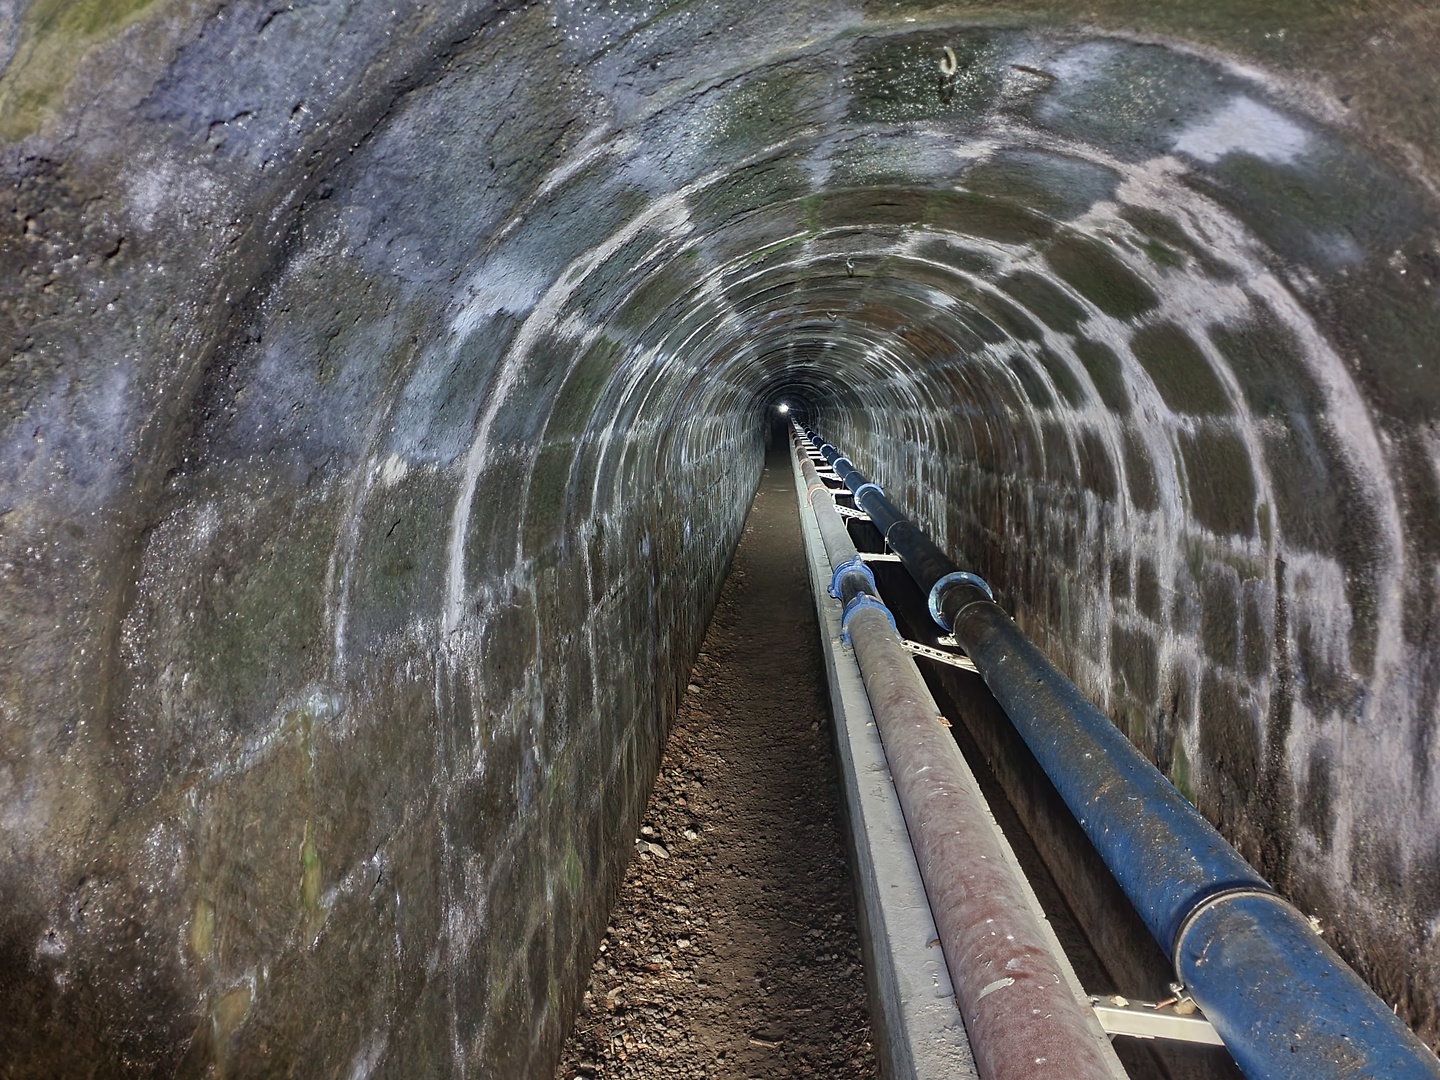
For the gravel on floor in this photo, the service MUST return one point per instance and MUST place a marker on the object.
(732, 951)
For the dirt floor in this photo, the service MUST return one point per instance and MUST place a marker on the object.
(732, 951)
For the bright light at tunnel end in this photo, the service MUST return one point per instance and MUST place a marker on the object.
(783, 409)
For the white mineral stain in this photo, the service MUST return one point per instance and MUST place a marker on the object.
(154, 188)
(668, 215)
(370, 1055)
(1245, 126)
(502, 284)
(393, 471)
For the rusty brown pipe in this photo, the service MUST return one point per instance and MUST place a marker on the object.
(838, 546)
(1023, 1018)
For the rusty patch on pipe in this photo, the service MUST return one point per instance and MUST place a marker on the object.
(1022, 1016)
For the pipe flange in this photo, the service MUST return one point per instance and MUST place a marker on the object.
(1214, 900)
(866, 487)
(860, 603)
(836, 463)
(959, 577)
(853, 566)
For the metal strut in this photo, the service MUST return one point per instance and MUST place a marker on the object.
(953, 659)
(1146, 1021)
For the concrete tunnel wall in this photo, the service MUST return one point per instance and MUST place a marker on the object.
(384, 389)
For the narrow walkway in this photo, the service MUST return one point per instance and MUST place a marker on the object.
(733, 951)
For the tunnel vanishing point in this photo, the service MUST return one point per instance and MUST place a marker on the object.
(384, 386)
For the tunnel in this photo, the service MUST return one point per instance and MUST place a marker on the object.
(385, 386)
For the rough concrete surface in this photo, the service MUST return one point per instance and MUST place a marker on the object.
(383, 389)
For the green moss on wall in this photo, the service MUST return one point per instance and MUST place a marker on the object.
(1181, 373)
(1045, 300)
(54, 39)
(1104, 368)
(1180, 774)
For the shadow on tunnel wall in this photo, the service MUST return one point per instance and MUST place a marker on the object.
(384, 387)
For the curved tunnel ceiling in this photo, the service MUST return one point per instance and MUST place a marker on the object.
(422, 383)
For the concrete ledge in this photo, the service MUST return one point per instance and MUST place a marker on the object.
(919, 1033)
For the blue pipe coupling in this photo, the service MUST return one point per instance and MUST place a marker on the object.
(867, 486)
(860, 603)
(1286, 1005)
(854, 566)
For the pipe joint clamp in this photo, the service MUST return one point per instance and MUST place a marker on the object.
(866, 487)
(941, 587)
(836, 464)
(1214, 900)
(860, 603)
(854, 566)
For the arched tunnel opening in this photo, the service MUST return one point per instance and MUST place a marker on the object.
(385, 387)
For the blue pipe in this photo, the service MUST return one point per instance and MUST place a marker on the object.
(1166, 857)
(1286, 1005)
